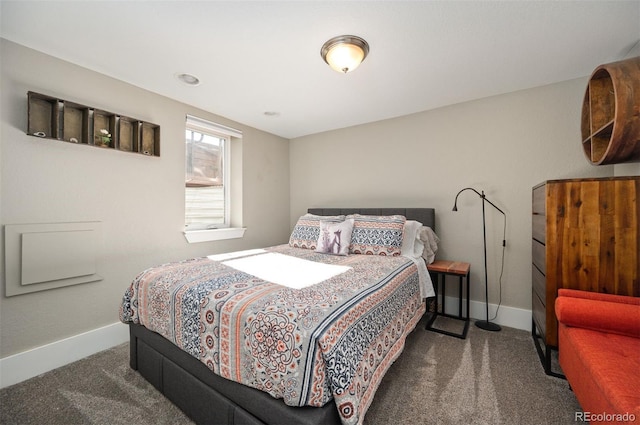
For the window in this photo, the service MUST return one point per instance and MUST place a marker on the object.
(207, 176)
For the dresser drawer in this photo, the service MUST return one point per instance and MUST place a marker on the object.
(539, 256)
(539, 315)
(539, 228)
(539, 198)
(539, 283)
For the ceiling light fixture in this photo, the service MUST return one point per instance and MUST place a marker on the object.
(188, 79)
(345, 52)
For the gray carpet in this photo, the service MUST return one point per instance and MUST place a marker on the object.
(489, 378)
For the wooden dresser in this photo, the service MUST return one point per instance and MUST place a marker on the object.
(585, 236)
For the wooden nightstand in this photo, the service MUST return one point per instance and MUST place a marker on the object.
(450, 268)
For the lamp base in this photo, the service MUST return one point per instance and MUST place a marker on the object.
(488, 326)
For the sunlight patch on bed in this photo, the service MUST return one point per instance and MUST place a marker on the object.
(236, 254)
(287, 271)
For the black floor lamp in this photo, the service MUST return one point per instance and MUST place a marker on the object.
(485, 324)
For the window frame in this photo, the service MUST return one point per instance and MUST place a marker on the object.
(223, 230)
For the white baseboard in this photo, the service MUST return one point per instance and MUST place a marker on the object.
(31, 363)
(507, 316)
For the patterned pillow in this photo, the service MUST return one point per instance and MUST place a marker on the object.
(307, 230)
(335, 238)
(377, 235)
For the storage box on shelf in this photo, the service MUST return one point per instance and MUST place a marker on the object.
(53, 118)
(75, 119)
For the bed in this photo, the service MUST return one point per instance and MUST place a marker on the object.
(206, 347)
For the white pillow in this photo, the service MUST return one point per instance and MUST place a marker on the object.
(412, 245)
(335, 238)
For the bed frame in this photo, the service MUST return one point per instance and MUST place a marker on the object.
(210, 399)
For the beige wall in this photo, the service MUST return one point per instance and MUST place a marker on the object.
(140, 200)
(503, 145)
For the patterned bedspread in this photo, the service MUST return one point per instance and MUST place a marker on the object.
(334, 339)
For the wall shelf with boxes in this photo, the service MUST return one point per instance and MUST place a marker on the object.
(53, 118)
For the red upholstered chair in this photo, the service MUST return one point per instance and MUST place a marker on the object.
(599, 353)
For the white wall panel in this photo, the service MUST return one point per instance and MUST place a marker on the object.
(50, 255)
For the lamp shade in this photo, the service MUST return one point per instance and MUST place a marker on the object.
(344, 53)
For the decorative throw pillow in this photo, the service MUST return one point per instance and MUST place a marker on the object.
(377, 235)
(335, 237)
(307, 230)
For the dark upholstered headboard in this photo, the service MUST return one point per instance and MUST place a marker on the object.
(426, 216)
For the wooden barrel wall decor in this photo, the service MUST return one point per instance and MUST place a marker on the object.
(611, 113)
